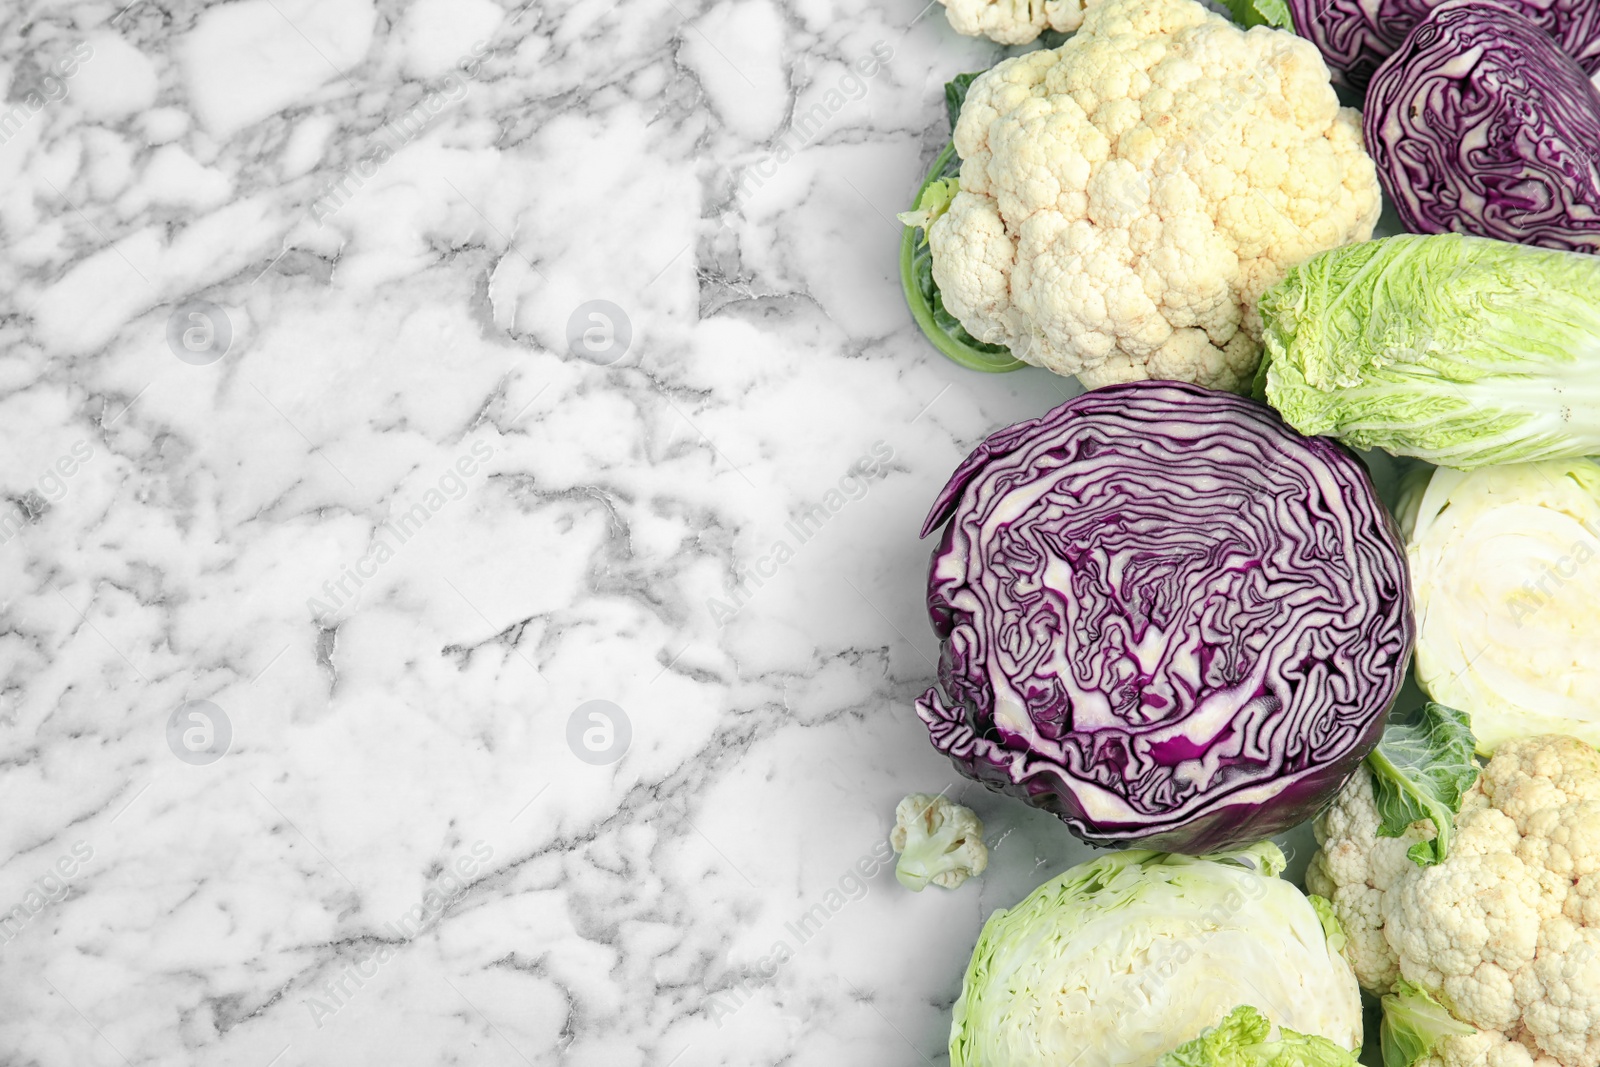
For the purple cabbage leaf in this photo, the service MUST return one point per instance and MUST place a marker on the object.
(1356, 36)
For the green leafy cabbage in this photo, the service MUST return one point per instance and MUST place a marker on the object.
(1243, 1039)
(1459, 350)
(1130, 956)
(1415, 1025)
(1421, 770)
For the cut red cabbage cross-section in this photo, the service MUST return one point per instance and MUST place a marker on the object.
(1166, 617)
(1356, 36)
(1480, 124)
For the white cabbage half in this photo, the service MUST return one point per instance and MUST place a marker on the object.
(1505, 564)
(1122, 959)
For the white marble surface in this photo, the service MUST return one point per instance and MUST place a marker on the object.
(396, 246)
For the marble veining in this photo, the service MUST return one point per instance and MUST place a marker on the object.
(461, 593)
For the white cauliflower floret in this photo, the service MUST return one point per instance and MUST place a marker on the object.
(1125, 199)
(1355, 869)
(1506, 930)
(938, 841)
(1486, 1048)
(1013, 21)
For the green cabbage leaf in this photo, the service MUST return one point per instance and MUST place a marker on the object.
(1243, 1039)
(1459, 350)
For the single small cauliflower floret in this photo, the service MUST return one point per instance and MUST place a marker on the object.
(1126, 198)
(1013, 21)
(938, 841)
(1505, 930)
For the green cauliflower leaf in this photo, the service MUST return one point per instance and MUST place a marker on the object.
(1414, 1025)
(1421, 770)
(916, 256)
(1260, 13)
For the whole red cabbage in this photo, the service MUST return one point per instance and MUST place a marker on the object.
(1356, 36)
(1480, 125)
(1165, 616)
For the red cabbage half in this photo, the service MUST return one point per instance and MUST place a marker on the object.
(1356, 36)
(1480, 125)
(1166, 617)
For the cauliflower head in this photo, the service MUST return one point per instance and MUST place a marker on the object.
(939, 842)
(1126, 198)
(1013, 21)
(1505, 931)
